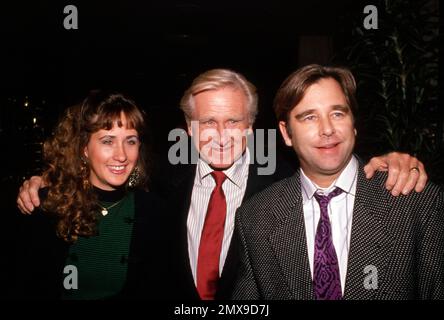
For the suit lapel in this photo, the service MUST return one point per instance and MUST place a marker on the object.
(184, 189)
(288, 241)
(370, 240)
(255, 182)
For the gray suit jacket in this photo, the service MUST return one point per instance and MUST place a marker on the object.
(401, 238)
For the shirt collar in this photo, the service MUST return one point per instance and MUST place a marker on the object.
(345, 181)
(235, 173)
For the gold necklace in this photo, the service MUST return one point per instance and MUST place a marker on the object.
(105, 209)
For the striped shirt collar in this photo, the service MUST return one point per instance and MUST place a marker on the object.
(235, 173)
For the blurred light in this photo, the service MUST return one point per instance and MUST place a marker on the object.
(34, 120)
(26, 103)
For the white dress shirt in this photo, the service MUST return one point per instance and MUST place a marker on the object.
(234, 189)
(340, 212)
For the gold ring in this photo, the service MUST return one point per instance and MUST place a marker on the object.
(415, 168)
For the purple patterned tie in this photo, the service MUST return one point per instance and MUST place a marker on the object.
(326, 279)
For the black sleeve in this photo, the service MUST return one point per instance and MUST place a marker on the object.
(38, 259)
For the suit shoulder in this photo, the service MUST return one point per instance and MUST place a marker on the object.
(431, 190)
(418, 205)
(148, 196)
(431, 198)
(150, 201)
(264, 200)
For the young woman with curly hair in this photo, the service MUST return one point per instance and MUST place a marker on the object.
(106, 224)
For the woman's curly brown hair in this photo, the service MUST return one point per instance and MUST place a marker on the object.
(70, 200)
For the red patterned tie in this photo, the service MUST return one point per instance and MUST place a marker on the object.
(211, 240)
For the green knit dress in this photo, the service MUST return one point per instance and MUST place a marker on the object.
(102, 260)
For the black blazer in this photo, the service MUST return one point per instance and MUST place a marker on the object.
(41, 255)
(401, 238)
(179, 192)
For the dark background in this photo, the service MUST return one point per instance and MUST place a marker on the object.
(152, 50)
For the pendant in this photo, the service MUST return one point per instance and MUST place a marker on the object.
(104, 212)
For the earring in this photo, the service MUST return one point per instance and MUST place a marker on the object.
(84, 174)
(133, 179)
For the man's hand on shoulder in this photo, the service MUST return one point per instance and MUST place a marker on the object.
(405, 172)
(28, 197)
